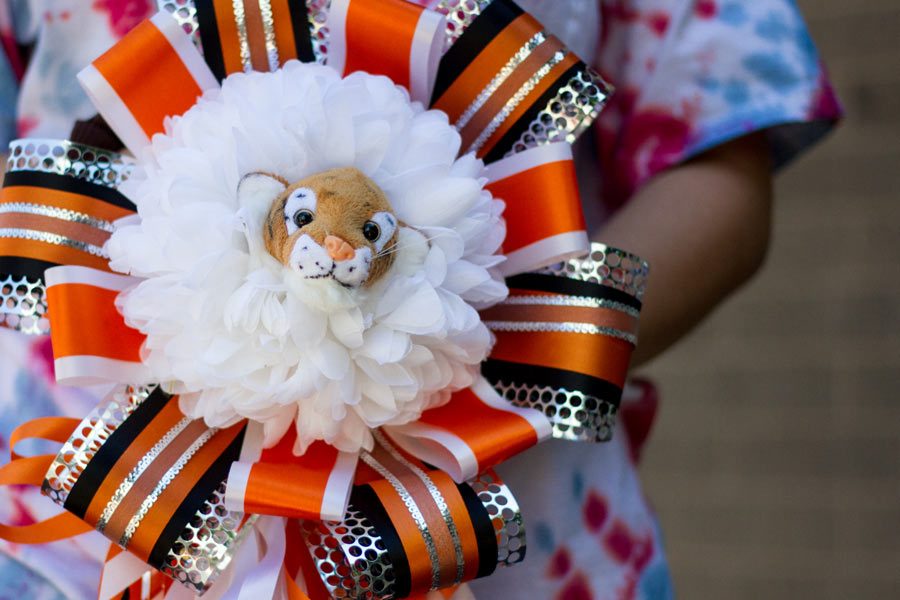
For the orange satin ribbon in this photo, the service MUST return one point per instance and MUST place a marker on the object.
(54, 429)
(85, 322)
(65, 200)
(174, 494)
(284, 32)
(31, 471)
(287, 485)
(493, 435)
(469, 84)
(228, 36)
(149, 76)
(599, 356)
(52, 253)
(530, 217)
(601, 317)
(380, 35)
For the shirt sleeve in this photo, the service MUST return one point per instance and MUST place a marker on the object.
(694, 74)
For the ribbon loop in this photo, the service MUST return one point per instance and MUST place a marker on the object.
(544, 220)
(153, 73)
(412, 530)
(387, 37)
(153, 481)
(250, 35)
(91, 342)
(54, 429)
(29, 471)
(564, 340)
(57, 207)
(315, 485)
(508, 85)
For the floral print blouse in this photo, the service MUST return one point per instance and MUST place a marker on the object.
(689, 75)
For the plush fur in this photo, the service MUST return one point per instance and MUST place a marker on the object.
(342, 202)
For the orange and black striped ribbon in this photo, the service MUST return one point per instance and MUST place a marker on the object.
(497, 77)
(152, 475)
(402, 494)
(594, 364)
(253, 35)
(66, 221)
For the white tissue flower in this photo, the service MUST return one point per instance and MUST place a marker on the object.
(238, 335)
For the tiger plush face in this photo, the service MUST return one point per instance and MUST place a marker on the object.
(337, 224)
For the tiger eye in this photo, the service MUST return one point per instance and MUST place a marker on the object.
(371, 231)
(303, 217)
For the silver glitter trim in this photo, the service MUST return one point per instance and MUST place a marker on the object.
(185, 13)
(163, 483)
(438, 500)
(51, 238)
(517, 99)
(23, 305)
(62, 157)
(206, 546)
(414, 512)
(351, 558)
(570, 302)
(87, 438)
(317, 13)
(240, 20)
(561, 327)
(132, 477)
(568, 114)
(63, 214)
(573, 415)
(505, 516)
(607, 266)
(514, 63)
(460, 14)
(268, 19)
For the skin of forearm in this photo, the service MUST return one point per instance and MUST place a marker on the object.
(704, 228)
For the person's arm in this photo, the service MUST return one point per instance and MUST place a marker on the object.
(704, 228)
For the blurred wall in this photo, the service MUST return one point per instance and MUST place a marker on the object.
(775, 465)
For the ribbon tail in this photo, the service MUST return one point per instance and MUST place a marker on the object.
(124, 571)
(30, 471)
(264, 579)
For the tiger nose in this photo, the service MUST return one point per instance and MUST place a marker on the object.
(338, 249)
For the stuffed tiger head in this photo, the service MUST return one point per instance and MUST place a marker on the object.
(337, 225)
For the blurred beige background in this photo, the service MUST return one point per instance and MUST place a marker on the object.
(775, 463)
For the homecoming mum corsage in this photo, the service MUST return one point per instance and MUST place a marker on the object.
(323, 312)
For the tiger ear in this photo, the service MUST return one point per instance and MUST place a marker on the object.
(256, 192)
